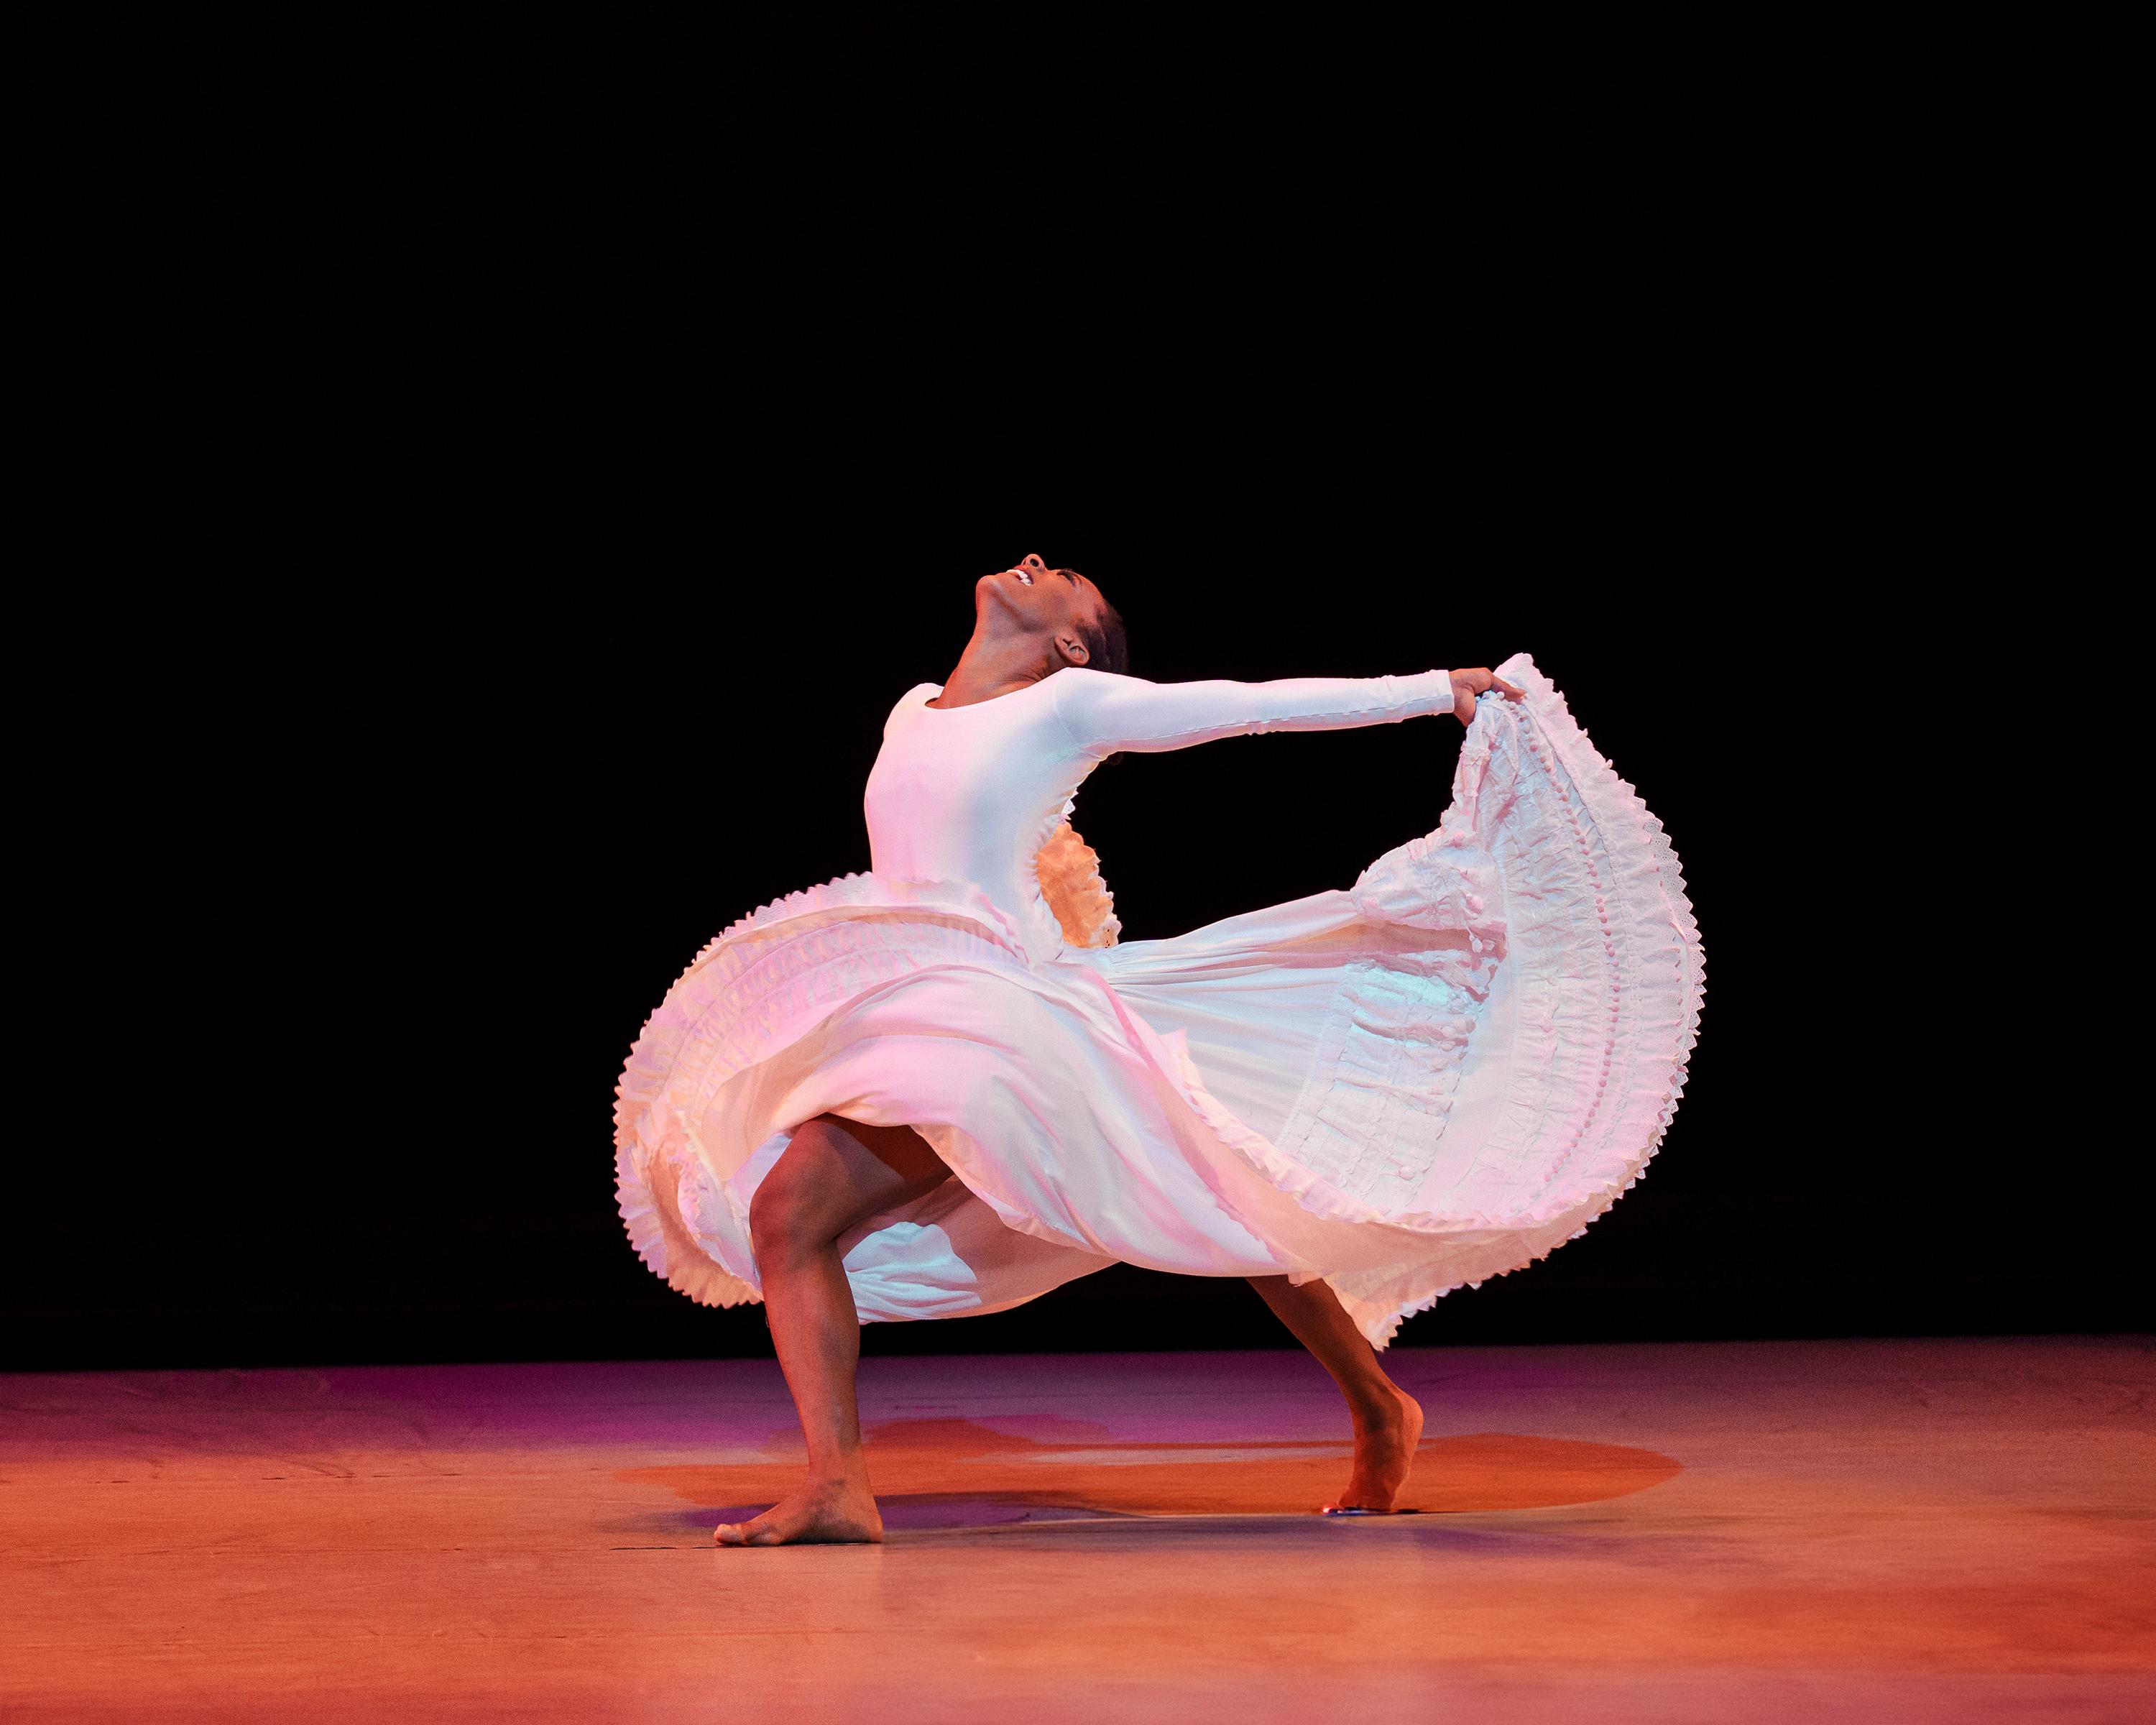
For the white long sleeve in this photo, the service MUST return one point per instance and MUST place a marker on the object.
(1104, 712)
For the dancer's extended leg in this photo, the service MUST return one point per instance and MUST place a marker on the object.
(1387, 1419)
(834, 1173)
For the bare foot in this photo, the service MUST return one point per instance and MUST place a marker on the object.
(822, 1512)
(1385, 1443)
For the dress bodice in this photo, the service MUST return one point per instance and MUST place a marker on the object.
(970, 794)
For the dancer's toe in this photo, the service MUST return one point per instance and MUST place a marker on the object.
(830, 1512)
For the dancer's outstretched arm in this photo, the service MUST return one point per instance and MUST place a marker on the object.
(1104, 711)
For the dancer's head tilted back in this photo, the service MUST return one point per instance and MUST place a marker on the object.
(1058, 609)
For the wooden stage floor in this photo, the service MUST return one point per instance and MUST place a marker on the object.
(1864, 1530)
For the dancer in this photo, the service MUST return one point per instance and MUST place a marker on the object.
(943, 1086)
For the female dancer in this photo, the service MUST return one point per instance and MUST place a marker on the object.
(943, 1087)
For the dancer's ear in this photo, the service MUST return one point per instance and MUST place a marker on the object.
(1073, 651)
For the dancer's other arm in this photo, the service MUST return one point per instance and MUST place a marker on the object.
(1103, 710)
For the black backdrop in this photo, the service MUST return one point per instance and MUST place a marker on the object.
(502, 551)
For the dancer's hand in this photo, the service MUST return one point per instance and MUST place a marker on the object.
(1466, 685)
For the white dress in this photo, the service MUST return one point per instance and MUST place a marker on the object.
(1435, 1076)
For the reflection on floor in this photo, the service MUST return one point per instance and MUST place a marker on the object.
(1892, 1530)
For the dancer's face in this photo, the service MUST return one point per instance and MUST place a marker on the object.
(1030, 598)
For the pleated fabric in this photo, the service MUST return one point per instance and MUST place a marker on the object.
(1432, 1077)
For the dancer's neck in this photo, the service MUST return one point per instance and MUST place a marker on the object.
(996, 664)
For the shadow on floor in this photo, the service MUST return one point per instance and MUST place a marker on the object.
(957, 1473)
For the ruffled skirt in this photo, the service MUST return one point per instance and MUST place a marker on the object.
(1433, 1077)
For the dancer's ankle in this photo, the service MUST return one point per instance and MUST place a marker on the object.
(839, 1473)
(1377, 1404)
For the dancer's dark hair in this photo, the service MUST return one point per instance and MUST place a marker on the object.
(1107, 647)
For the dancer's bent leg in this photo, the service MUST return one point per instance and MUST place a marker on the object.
(1387, 1419)
(834, 1173)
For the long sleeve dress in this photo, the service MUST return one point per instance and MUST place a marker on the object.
(1432, 1077)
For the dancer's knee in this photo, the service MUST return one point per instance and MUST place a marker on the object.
(781, 1215)
(778, 1223)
